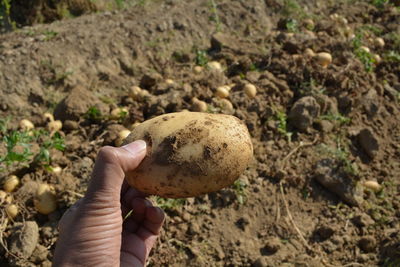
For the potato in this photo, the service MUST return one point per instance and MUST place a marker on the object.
(45, 201)
(190, 153)
(12, 210)
(11, 183)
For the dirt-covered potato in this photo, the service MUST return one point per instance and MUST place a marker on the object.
(190, 153)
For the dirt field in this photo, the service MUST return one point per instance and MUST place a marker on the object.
(324, 186)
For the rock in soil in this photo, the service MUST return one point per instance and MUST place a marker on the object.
(363, 220)
(303, 113)
(24, 239)
(77, 103)
(324, 126)
(369, 142)
(112, 133)
(272, 245)
(332, 178)
(70, 125)
(325, 231)
(260, 262)
(367, 243)
(40, 254)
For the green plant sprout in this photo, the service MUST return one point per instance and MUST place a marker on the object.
(281, 118)
(93, 114)
(292, 25)
(18, 146)
(169, 203)
(341, 155)
(201, 57)
(366, 58)
(240, 191)
(214, 16)
(336, 117)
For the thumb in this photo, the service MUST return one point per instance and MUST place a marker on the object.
(111, 165)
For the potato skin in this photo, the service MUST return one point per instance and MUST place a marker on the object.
(190, 153)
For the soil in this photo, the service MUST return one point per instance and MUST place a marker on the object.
(318, 133)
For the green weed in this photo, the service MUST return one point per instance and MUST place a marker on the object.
(282, 119)
(336, 117)
(169, 203)
(18, 147)
(311, 88)
(391, 262)
(290, 7)
(379, 3)
(364, 56)
(214, 15)
(240, 190)
(93, 114)
(292, 25)
(49, 35)
(201, 57)
(392, 56)
(47, 143)
(55, 75)
(341, 154)
(5, 20)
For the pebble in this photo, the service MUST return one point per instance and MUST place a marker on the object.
(39, 254)
(272, 245)
(367, 243)
(363, 220)
(369, 142)
(260, 262)
(303, 113)
(24, 239)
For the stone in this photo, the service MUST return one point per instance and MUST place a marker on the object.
(260, 262)
(149, 80)
(328, 104)
(221, 40)
(39, 254)
(334, 180)
(367, 243)
(369, 142)
(370, 102)
(325, 231)
(303, 113)
(272, 245)
(391, 92)
(24, 239)
(77, 103)
(324, 126)
(363, 220)
(112, 133)
(69, 125)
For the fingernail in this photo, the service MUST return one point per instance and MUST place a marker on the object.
(135, 147)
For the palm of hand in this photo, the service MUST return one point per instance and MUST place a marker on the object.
(93, 232)
(105, 238)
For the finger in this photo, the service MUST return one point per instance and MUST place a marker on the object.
(132, 246)
(128, 260)
(124, 188)
(130, 225)
(153, 222)
(139, 207)
(69, 215)
(131, 194)
(111, 165)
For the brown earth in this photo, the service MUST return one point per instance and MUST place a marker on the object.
(318, 133)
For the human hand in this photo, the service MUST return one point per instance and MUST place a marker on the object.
(93, 231)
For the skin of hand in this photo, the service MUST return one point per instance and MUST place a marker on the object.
(93, 231)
